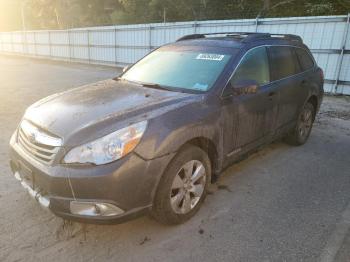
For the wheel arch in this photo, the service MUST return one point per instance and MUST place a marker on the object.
(208, 146)
(314, 101)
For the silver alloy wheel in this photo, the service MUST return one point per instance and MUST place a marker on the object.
(305, 123)
(188, 187)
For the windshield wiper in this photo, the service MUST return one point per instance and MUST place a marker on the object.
(150, 85)
(153, 85)
(156, 86)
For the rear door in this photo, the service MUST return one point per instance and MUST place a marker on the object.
(286, 77)
(307, 68)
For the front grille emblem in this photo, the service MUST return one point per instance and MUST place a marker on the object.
(32, 138)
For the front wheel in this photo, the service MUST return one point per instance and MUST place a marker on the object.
(301, 132)
(183, 187)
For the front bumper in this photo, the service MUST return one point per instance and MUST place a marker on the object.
(128, 184)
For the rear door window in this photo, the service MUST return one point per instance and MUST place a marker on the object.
(305, 59)
(282, 62)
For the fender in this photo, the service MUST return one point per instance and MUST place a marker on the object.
(154, 148)
(165, 137)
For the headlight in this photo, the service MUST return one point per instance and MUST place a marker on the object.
(108, 148)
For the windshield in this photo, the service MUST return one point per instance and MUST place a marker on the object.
(179, 69)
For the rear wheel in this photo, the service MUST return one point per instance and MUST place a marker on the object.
(183, 187)
(301, 132)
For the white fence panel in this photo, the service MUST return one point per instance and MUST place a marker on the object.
(30, 37)
(17, 42)
(125, 44)
(59, 37)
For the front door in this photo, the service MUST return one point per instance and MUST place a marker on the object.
(251, 116)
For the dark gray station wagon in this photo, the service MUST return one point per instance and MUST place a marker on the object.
(152, 139)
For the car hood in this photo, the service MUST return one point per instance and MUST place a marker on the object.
(101, 104)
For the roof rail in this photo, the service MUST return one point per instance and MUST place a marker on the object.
(189, 37)
(288, 37)
(197, 36)
(244, 36)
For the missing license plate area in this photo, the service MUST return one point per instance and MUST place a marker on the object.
(43, 200)
(26, 175)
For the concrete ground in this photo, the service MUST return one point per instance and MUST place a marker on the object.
(283, 203)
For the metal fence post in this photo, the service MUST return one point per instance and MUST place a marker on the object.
(164, 35)
(150, 38)
(24, 42)
(69, 46)
(256, 23)
(341, 56)
(50, 47)
(2, 41)
(115, 46)
(35, 51)
(12, 48)
(195, 25)
(88, 44)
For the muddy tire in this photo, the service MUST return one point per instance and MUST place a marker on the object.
(183, 187)
(299, 135)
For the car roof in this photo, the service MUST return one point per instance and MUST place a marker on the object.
(238, 40)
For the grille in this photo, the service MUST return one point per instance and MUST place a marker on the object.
(32, 146)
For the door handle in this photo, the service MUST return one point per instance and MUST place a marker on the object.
(304, 82)
(271, 95)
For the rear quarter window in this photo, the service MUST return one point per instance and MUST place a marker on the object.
(305, 59)
(282, 62)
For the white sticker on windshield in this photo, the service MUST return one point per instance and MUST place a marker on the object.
(212, 57)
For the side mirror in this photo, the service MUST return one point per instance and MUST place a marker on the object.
(245, 87)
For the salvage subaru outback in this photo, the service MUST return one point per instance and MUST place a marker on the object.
(152, 139)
